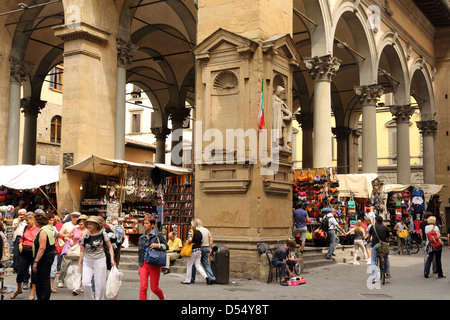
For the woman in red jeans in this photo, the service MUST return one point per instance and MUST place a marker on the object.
(154, 240)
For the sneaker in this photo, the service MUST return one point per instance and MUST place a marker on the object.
(60, 284)
(388, 276)
(284, 283)
(368, 262)
(356, 263)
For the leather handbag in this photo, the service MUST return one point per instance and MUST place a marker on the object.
(74, 252)
(187, 250)
(156, 257)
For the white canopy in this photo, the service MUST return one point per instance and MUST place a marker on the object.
(112, 167)
(28, 176)
(359, 184)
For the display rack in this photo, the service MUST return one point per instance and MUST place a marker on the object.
(178, 205)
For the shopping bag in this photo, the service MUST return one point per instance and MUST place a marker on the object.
(187, 250)
(76, 279)
(113, 283)
(66, 248)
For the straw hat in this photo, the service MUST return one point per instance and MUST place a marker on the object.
(96, 219)
(83, 216)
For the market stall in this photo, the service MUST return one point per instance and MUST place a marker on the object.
(130, 190)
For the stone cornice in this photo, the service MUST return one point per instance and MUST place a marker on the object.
(82, 31)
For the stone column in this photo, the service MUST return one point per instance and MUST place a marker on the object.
(402, 115)
(321, 70)
(428, 130)
(368, 97)
(342, 137)
(19, 71)
(161, 135)
(306, 122)
(178, 116)
(125, 53)
(31, 107)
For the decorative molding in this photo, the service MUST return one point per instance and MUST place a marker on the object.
(226, 79)
(225, 186)
(83, 32)
(280, 188)
(83, 52)
(322, 68)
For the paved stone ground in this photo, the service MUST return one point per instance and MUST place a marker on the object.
(334, 282)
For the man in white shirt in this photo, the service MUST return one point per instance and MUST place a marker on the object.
(332, 225)
(207, 245)
(65, 230)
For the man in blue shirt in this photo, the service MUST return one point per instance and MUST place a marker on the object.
(281, 259)
(159, 214)
(300, 220)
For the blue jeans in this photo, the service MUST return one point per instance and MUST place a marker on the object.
(205, 264)
(437, 255)
(374, 255)
(282, 266)
(334, 241)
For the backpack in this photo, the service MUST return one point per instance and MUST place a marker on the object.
(263, 247)
(434, 240)
(324, 224)
(118, 230)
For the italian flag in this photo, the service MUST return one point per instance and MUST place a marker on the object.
(261, 121)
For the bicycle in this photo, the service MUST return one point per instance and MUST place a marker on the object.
(381, 264)
(412, 247)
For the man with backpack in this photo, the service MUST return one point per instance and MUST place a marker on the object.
(329, 225)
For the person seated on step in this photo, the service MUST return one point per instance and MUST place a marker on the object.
(281, 259)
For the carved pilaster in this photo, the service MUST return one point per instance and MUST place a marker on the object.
(428, 127)
(125, 52)
(322, 68)
(402, 113)
(369, 94)
(19, 69)
(31, 107)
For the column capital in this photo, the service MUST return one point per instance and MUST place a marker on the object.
(402, 113)
(305, 120)
(178, 114)
(31, 106)
(427, 127)
(125, 52)
(368, 94)
(322, 68)
(19, 69)
(341, 132)
(160, 133)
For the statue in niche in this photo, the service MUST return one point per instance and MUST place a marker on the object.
(282, 120)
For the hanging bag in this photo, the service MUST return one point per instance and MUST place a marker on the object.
(434, 241)
(383, 247)
(156, 257)
(187, 250)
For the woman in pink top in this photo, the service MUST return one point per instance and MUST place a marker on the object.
(26, 255)
(75, 236)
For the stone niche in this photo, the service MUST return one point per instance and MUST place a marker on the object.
(240, 200)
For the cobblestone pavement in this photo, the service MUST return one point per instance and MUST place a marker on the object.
(341, 281)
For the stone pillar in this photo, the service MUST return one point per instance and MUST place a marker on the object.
(31, 107)
(321, 70)
(342, 137)
(125, 53)
(178, 116)
(368, 97)
(19, 71)
(89, 100)
(428, 130)
(160, 135)
(306, 123)
(402, 115)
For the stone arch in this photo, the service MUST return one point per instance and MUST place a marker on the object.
(422, 89)
(390, 51)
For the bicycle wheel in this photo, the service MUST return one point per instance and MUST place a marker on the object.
(381, 266)
(408, 247)
(298, 266)
(414, 247)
